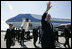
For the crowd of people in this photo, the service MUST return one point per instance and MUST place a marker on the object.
(20, 35)
(13, 34)
(46, 33)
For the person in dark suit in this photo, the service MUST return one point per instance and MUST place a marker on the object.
(48, 36)
(14, 33)
(35, 35)
(9, 36)
(40, 33)
(67, 34)
(22, 35)
(18, 34)
(56, 34)
(28, 34)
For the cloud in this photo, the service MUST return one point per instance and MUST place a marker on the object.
(10, 6)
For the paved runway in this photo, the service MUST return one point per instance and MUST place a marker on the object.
(29, 44)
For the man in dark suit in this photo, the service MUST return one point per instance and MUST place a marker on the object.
(56, 34)
(67, 34)
(48, 36)
(22, 35)
(9, 37)
(28, 34)
(14, 33)
(35, 35)
(40, 33)
(18, 33)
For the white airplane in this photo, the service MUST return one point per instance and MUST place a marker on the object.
(32, 22)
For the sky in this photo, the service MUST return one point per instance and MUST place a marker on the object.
(9, 9)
